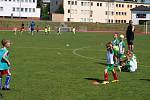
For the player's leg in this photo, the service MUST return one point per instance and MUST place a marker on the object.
(106, 76)
(1, 81)
(115, 76)
(7, 81)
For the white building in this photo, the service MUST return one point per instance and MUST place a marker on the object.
(19, 9)
(140, 14)
(88, 10)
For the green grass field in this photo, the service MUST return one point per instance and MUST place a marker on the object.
(45, 68)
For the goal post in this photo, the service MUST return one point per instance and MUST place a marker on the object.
(147, 27)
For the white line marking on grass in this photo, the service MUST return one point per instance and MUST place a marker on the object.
(75, 53)
(42, 48)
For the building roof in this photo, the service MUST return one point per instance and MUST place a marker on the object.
(119, 1)
(141, 8)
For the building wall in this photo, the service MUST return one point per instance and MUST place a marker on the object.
(136, 19)
(57, 17)
(98, 11)
(15, 8)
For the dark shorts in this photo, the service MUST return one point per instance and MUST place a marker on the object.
(32, 29)
(130, 41)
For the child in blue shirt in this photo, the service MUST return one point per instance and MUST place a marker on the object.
(5, 64)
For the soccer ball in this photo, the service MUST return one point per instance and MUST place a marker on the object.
(116, 48)
(67, 45)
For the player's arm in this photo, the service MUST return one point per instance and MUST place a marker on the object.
(5, 59)
(133, 28)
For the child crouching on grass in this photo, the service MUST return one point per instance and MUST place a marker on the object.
(5, 64)
(110, 64)
(130, 63)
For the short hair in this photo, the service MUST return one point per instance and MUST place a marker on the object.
(108, 44)
(4, 42)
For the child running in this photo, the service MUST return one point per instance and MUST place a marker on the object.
(110, 64)
(5, 64)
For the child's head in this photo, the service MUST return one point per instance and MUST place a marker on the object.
(109, 45)
(6, 43)
(115, 35)
(121, 37)
(129, 54)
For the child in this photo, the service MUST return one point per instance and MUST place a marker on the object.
(45, 30)
(37, 29)
(5, 64)
(74, 30)
(15, 30)
(22, 28)
(49, 29)
(59, 31)
(110, 64)
(115, 43)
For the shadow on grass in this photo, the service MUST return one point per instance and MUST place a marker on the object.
(145, 80)
(94, 79)
(100, 63)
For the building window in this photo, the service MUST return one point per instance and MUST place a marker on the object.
(26, 0)
(125, 13)
(91, 3)
(1, 9)
(112, 13)
(119, 5)
(34, 1)
(140, 15)
(18, 9)
(111, 21)
(116, 13)
(97, 4)
(122, 5)
(29, 9)
(68, 19)
(68, 10)
(13, 9)
(26, 9)
(75, 2)
(30, 1)
(56, 2)
(124, 21)
(33, 9)
(100, 4)
(116, 5)
(68, 2)
(22, 9)
(72, 2)
(119, 13)
(22, 0)
(81, 3)
(130, 6)
(106, 13)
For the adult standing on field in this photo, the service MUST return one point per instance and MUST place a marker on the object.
(130, 35)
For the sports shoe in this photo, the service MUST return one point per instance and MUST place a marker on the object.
(4, 88)
(114, 81)
(105, 82)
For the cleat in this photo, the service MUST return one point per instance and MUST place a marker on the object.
(105, 82)
(114, 81)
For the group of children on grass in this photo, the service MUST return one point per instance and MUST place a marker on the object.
(118, 57)
(47, 29)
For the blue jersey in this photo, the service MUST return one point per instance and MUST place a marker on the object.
(32, 25)
(3, 63)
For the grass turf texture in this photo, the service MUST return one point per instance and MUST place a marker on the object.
(44, 68)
